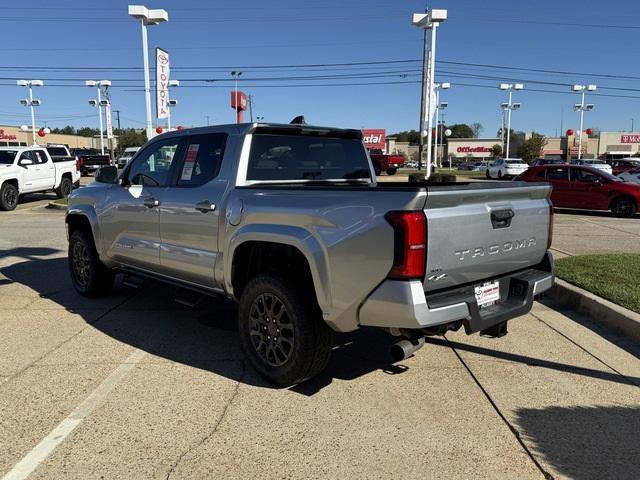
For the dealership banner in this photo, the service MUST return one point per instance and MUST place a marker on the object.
(162, 83)
(374, 138)
(107, 114)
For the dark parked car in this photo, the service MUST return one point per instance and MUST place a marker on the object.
(624, 165)
(577, 186)
(548, 161)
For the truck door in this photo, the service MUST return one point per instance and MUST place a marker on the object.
(45, 170)
(130, 218)
(190, 212)
(29, 170)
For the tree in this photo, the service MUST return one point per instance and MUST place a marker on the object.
(411, 136)
(461, 130)
(477, 128)
(496, 150)
(532, 147)
(130, 137)
(87, 132)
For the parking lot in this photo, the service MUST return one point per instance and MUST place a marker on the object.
(137, 386)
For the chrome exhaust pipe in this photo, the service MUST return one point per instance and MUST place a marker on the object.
(405, 348)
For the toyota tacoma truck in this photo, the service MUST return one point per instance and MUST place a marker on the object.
(289, 221)
(31, 169)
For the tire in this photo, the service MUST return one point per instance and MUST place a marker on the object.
(392, 171)
(89, 276)
(307, 348)
(377, 171)
(624, 207)
(65, 188)
(8, 197)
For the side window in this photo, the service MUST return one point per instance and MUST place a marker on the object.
(152, 167)
(27, 155)
(542, 173)
(40, 156)
(584, 176)
(557, 174)
(202, 159)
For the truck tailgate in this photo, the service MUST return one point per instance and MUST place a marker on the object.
(484, 230)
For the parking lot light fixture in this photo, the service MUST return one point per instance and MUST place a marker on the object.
(147, 17)
(429, 20)
(509, 106)
(99, 103)
(31, 102)
(581, 107)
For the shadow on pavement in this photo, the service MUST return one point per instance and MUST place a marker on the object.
(538, 362)
(585, 442)
(203, 337)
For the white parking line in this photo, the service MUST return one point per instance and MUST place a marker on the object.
(40, 452)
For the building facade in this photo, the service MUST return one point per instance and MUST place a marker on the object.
(471, 148)
(12, 136)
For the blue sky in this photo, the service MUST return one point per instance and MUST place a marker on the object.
(207, 38)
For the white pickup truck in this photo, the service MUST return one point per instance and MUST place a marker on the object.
(30, 170)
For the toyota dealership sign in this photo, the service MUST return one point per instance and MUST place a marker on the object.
(374, 138)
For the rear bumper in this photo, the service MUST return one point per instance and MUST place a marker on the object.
(403, 304)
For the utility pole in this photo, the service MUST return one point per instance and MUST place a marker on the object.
(207, 117)
(108, 106)
(117, 112)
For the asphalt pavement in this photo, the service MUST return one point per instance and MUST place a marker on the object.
(135, 385)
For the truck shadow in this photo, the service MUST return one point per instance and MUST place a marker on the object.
(585, 442)
(204, 336)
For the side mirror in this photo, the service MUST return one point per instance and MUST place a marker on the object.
(107, 174)
(25, 161)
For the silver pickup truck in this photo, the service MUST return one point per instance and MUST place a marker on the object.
(290, 222)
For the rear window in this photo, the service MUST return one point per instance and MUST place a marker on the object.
(293, 157)
(57, 151)
(7, 156)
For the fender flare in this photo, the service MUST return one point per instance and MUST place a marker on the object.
(91, 216)
(296, 237)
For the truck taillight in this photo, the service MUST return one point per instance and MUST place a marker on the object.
(78, 164)
(550, 232)
(410, 244)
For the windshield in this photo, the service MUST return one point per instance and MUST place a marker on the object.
(297, 157)
(7, 156)
(608, 176)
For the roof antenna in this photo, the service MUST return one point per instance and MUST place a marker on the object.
(299, 120)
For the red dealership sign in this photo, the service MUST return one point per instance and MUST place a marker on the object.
(7, 136)
(374, 138)
(473, 150)
(626, 138)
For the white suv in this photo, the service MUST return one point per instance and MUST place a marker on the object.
(506, 168)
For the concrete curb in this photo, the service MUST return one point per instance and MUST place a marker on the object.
(601, 311)
(55, 206)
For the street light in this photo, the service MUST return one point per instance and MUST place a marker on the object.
(439, 106)
(31, 102)
(147, 17)
(581, 107)
(509, 106)
(235, 74)
(99, 103)
(171, 103)
(429, 20)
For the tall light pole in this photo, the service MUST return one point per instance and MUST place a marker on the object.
(428, 21)
(510, 106)
(171, 103)
(99, 103)
(581, 107)
(147, 17)
(31, 102)
(438, 86)
(235, 74)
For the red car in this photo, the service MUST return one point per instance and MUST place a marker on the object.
(577, 186)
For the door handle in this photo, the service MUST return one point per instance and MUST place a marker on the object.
(151, 202)
(205, 206)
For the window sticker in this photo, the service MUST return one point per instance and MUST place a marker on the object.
(38, 156)
(189, 161)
